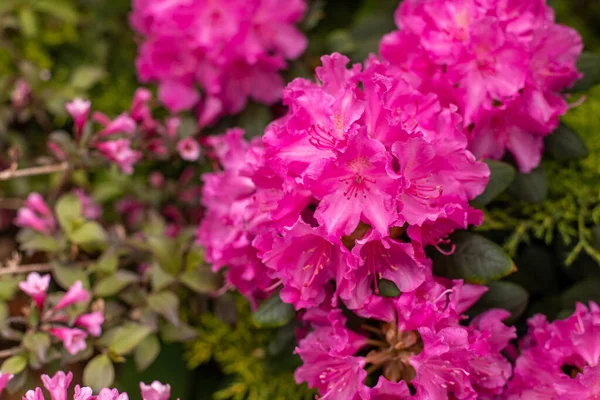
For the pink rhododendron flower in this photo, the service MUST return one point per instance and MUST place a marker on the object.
(504, 64)
(4, 378)
(232, 50)
(75, 294)
(559, 360)
(36, 286)
(120, 152)
(79, 110)
(92, 322)
(188, 149)
(36, 215)
(73, 339)
(434, 357)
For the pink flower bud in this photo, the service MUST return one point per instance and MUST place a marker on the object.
(155, 391)
(92, 322)
(73, 339)
(90, 209)
(57, 385)
(36, 215)
(120, 152)
(75, 294)
(36, 286)
(188, 149)
(58, 152)
(79, 110)
(139, 107)
(4, 378)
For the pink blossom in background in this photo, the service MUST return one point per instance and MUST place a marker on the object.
(58, 387)
(123, 124)
(19, 96)
(75, 294)
(79, 110)
(92, 322)
(228, 51)
(36, 286)
(4, 378)
(73, 339)
(119, 151)
(559, 360)
(188, 149)
(36, 215)
(504, 64)
(89, 208)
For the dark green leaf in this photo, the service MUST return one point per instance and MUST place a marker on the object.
(165, 304)
(532, 187)
(201, 279)
(583, 292)
(38, 344)
(167, 254)
(146, 352)
(99, 373)
(565, 144)
(589, 64)
(273, 313)
(475, 259)
(160, 279)
(113, 284)
(506, 295)
(501, 176)
(181, 333)
(387, 288)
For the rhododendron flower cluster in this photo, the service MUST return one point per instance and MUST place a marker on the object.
(73, 336)
(421, 345)
(58, 387)
(559, 360)
(232, 50)
(503, 63)
(349, 186)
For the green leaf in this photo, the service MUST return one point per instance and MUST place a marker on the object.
(273, 313)
(388, 288)
(167, 254)
(565, 144)
(532, 187)
(66, 276)
(160, 279)
(4, 314)
(200, 279)
(99, 373)
(113, 284)
(146, 352)
(583, 292)
(90, 232)
(68, 212)
(589, 64)
(165, 304)
(254, 119)
(475, 259)
(38, 344)
(14, 364)
(59, 9)
(87, 76)
(107, 263)
(124, 339)
(8, 288)
(501, 176)
(28, 22)
(506, 295)
(35, 241)
(181, 333)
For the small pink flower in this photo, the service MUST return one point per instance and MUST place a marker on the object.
(188, 149)
(73, 339)
(82, 393)
(4, 378)
(122, 124)
(119, 151)
(92, 322)
(20, 94)
(90, 209)
(155, 391)
(37, 394)
(75, 294)
(79, 110)
(36, 215)
(111, 394)
(139, 107)
(57, 385)
(36, 286)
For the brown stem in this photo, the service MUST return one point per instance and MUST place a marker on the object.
(45, 169)
(9, 352)
(24, 269)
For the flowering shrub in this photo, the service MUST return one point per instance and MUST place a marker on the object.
(418, 223)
